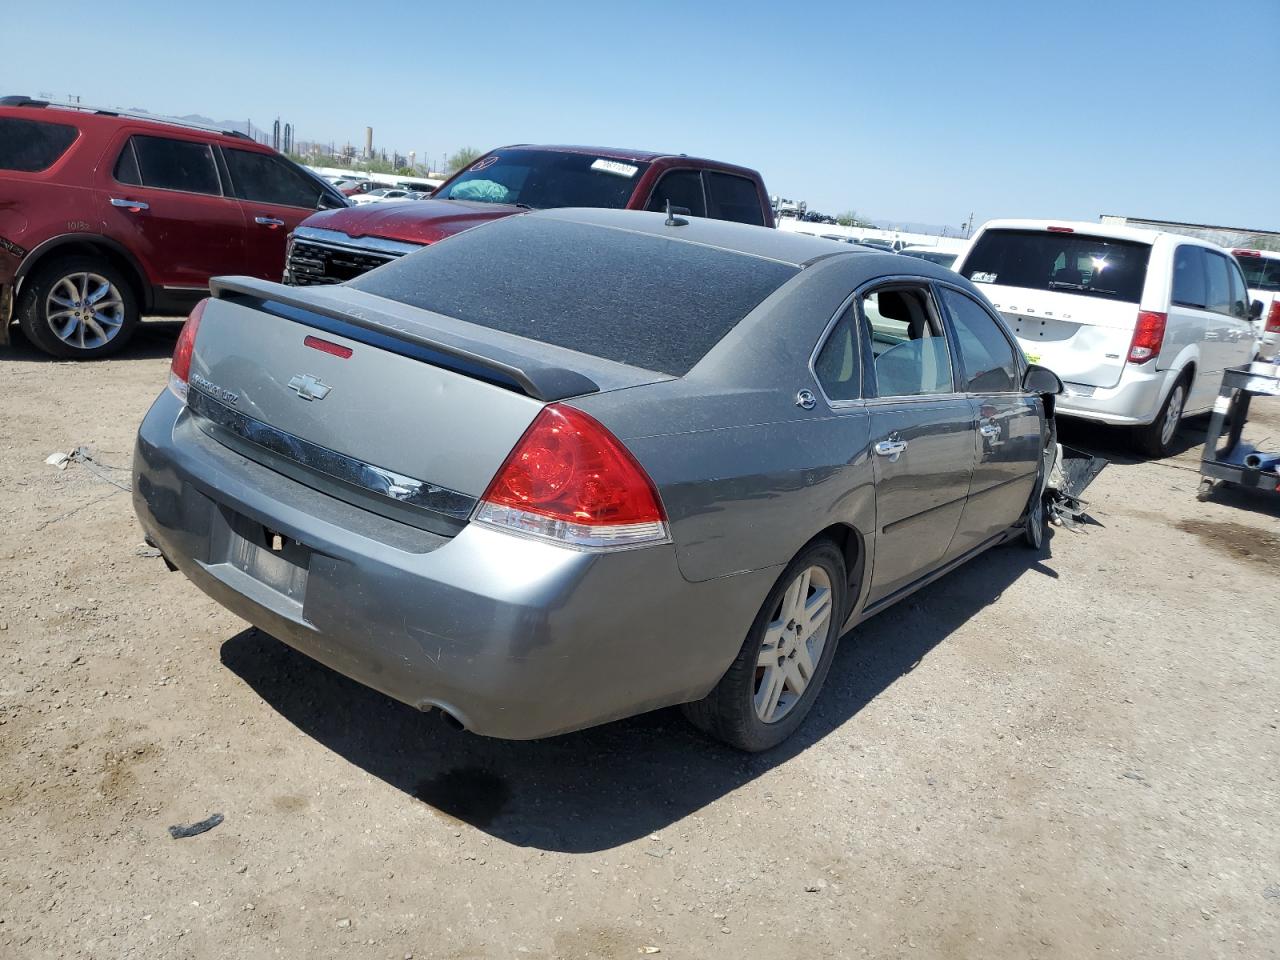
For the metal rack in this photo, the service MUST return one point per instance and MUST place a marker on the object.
(1238, 462)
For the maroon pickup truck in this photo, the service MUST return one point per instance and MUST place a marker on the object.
(336, 245)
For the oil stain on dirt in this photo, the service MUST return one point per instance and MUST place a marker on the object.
(1236, 539)
(470, 794)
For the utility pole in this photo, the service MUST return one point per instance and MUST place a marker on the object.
(968, 225)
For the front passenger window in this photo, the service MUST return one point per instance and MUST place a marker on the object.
(907, 343)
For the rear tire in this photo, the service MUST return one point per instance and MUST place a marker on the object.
(1156, 438)
(78, 307)
(735, 710)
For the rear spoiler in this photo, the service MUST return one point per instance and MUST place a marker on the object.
(384, 330)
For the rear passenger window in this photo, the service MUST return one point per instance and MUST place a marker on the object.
(907, 343)
(987, 360)
(172, 165)
(733, 198)
(1188, 277)
(683, 188)
(263, 178)
(839, 365)
(1217, 283)
(30, 146)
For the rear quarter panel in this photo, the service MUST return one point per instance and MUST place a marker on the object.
(746, 475)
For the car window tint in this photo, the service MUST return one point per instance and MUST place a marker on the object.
(263, 178)
(176, 165)
(683, 188)
(838, 365)
(733, 198)
(126, 169)
(988, 362)
(1066, 262)
(1217, 283)
(1188, 277)
(1239, 293)
(30, 146)
(649, 301)
(907, 344)
(1260, 273)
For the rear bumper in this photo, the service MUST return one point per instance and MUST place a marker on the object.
(1134, 401)
(515, 638)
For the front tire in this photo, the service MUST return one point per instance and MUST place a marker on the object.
(1156, 438)
(80, 308)
(775, 679)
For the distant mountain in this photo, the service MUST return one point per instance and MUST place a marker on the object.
(909, 227)
(239, 126)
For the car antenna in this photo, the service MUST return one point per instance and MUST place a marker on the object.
(672, 219)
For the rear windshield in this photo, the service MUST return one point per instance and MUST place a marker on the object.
(547, 178)
(1066, 262)
(32, 145)
(648, 301)
(1260, 273)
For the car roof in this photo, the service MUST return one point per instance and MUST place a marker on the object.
(796, 249)
(1114, 231)
(1250, 252)
(624, 153)
(99, 120)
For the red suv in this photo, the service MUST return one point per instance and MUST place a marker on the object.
(105, 217)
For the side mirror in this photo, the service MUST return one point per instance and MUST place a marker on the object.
(1255, 310)
(1041, 380)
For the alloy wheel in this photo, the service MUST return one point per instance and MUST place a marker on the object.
(798, 632)
(84, 310)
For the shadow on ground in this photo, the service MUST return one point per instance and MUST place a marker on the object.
(154, 339)
(599, 788)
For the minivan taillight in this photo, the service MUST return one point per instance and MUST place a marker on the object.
(570, 481)
(180, 368)
(1148, 335)
(1273, 316)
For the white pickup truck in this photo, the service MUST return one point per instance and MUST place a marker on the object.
(1262, 274)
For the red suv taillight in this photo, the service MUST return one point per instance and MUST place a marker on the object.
(1273, 316)
(180, 368)
(569, 480)
(1147, 336)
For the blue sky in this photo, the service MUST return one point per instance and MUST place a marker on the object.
(920, 111)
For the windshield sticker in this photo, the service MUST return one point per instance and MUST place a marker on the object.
(979, 277)
(614, 167)
(484, 163)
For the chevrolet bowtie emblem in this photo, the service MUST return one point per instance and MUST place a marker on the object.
(308, 387)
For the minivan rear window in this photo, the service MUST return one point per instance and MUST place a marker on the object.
(30, 146)
(1064, 262)
(648, 301)
(1260, 273)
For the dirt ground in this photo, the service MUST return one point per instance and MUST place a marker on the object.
(1060, 755)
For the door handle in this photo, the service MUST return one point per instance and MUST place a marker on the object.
(891, 449)
(990, 430)
(272, 222)
(133, 206)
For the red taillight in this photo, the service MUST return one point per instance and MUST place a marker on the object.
(1147, 336)
(180, 368)
(1246, 253)
(1273, 316)
(1061, 229)
(570, 480)
(328, 346)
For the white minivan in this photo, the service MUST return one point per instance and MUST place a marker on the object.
(1138, 324)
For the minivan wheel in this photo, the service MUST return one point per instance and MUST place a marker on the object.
(78, 307)
(1156, 438)
(772, 684)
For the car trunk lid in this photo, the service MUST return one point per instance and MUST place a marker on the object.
(1083, 340)
(405, 412)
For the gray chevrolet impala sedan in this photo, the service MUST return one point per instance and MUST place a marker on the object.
(574, 465)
